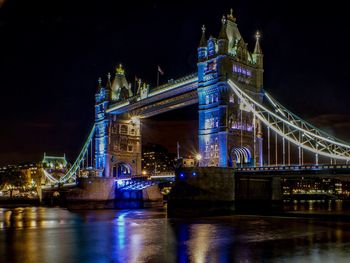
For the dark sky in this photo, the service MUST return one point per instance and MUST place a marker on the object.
(52, 52)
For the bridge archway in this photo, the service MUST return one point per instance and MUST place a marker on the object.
(122, 170)
(240, 156)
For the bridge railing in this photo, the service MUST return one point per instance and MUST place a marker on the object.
(175, 81)
(295, 167)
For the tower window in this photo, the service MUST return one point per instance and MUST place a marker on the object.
(216, 97)
(124, 129)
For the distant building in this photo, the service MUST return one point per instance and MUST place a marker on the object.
(188, 162)
(54, 162)
(157, 159)
(314, 186)
(19, 175)
(55, 166)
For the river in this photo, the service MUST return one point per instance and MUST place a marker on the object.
(43, 234)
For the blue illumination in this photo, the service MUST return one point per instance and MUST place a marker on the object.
(194, 173)
(182, 175)
(101, 123)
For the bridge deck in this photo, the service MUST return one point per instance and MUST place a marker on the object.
(297, 170)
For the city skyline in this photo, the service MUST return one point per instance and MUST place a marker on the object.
(66, 50)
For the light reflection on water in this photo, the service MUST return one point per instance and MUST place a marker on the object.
(38, 234)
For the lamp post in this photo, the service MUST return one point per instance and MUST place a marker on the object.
(198, 158)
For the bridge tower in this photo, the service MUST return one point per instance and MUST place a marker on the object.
(118, 136)
(228, 134)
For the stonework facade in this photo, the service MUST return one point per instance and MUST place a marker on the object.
(229, 136)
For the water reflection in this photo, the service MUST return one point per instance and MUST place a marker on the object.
(37, 234)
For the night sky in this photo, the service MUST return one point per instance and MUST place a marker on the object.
(52, 53)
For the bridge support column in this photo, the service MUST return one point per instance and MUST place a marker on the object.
(276, 185)
(202, 191)
(216, 190)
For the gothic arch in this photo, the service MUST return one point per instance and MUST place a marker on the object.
(240, 156)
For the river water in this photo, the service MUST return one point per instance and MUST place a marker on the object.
(42, 234)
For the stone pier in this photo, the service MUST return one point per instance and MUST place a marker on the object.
(215, 191)
(102, 193)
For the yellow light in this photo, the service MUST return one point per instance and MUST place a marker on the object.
(198, 157)
(135, 119)
(120, 70)
(144, 172)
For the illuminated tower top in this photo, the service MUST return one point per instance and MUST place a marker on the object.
(121, 89)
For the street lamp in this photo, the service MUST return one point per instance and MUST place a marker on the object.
(135, 120)
(198, 158)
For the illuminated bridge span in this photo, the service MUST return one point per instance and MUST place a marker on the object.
(240, 124)
(84, 162)
(292, 128)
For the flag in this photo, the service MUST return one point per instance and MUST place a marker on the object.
(160, 70)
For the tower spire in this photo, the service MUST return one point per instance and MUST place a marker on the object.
(99, 85)
(231, 17)
(257, 49)
(119, 70)
(108, 85)
(203, 41)
(223, 34)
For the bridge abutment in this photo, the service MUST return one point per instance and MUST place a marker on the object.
(103, 193)
(216, 190)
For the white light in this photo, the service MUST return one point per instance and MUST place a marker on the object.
(240, 94)
(198, 157)
(135, 119)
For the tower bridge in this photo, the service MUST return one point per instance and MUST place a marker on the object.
(235, 114)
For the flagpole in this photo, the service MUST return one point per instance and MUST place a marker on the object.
(157, 77)
(178, 150)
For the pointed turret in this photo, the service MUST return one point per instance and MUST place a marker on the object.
(108, 84)
(108, 87)
(99, 85)
(257, 49)
(203, 41)
(258, 58)
(119, 70)
(231, 17)
(222, 39)
(223, 34)
(120, 84)
(202, 49)
(233, 33)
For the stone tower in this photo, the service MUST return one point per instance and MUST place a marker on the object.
(117, 136)
(228, 134)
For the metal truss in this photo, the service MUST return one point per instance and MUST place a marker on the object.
(76, 165)
(292, 128)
